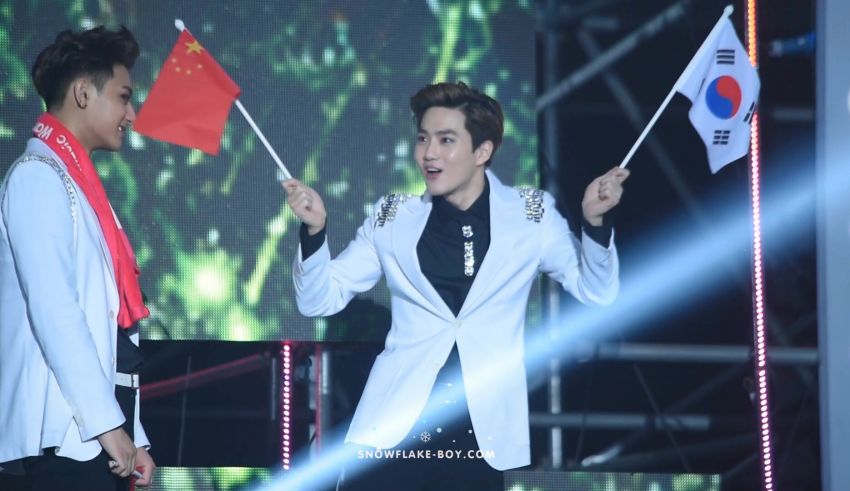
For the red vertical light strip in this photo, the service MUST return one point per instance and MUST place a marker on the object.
(285, 404)
(760, 326)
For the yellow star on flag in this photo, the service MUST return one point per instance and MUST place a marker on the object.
(193, 47)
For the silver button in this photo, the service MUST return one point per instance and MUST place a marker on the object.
(111, 313)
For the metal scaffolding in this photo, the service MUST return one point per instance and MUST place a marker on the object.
(580, 22)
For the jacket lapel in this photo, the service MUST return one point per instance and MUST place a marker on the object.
(503, 226)
(407, 229)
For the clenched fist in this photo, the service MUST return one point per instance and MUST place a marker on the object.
(307, 205)
(602, 194)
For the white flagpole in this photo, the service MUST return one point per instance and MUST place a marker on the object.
(684, 76)
(286, 174)
(262, 138)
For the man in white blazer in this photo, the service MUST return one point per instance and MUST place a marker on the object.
(459, 261)
(67, 301)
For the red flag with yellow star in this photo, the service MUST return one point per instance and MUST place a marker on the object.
(190, 99)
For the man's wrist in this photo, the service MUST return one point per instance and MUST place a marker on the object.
(601, 234)
(310, 243)
(594, 221)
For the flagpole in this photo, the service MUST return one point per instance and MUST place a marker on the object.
(684, 76)
(262, 138)
(286, 174)
(648, 127)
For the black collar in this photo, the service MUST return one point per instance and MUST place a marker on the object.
(480, 209)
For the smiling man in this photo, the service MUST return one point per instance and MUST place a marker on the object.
(69, 291)
(460, 261)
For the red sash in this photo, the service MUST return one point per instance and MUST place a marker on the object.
(52, 132)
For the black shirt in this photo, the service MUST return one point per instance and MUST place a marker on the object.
(441, 249)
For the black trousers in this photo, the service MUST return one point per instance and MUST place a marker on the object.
(50, 472)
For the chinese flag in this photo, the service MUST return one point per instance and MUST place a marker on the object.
(190, 99)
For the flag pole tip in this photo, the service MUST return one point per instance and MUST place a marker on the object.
(728, 10)
(179, 25)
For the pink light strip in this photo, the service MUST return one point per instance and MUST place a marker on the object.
(285, 403)
(759, 327)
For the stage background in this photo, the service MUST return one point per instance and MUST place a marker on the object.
(328, 82)
(234, 478)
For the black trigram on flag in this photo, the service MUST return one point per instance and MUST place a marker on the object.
(725, 57)
(750, 112)
(721, 137)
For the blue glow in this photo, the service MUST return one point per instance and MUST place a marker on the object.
(680, 267)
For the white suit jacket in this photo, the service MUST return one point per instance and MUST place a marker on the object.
(58, 310)
(488, 330)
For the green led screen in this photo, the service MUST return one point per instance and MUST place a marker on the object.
(233, 478)
(328, 83)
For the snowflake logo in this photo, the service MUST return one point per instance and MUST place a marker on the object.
(425, 436)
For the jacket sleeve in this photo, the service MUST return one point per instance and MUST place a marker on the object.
(40, 227)
(324, 286)
(587, 270)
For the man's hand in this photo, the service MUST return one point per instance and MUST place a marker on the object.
(121, 449)
(603, 194)
(145, 465)
(306, 204)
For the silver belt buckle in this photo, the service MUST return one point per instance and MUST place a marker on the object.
(130, 380)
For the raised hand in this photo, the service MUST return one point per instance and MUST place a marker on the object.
(307, 205)
(603, 194)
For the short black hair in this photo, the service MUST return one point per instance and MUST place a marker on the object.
(91, 53)
(484, 118)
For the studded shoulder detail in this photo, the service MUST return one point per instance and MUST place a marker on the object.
(533, 203)
(389, 207)
(63, 174)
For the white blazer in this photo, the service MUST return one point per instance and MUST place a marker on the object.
(488, 330)
(58, 310)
